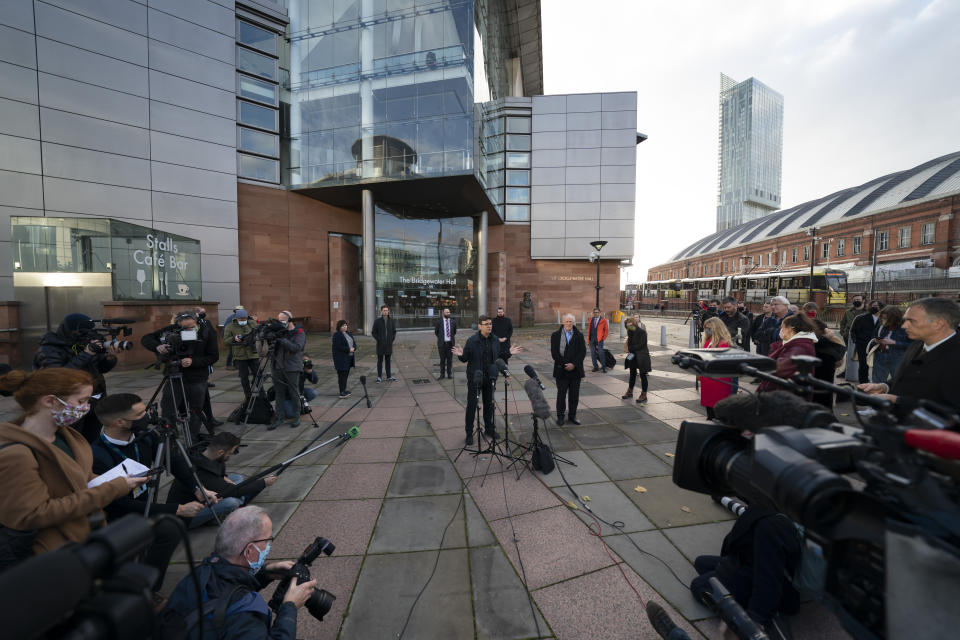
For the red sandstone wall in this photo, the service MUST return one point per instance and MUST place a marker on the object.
(344, 288)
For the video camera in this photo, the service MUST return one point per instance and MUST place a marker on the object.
(320, 600)
(101, 339)
(182, 343)
(889, 537)
(271, 330)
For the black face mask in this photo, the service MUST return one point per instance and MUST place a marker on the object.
(201, 316)
(140, 424)
(857, 303)
(874, 309)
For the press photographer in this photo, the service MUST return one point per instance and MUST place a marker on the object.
(185, 348)
(287, 362)
(231, 579)
(77, 344)
(240, 335)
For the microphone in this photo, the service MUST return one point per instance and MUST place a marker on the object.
(477, 377)
(109, 321)
(754, 412)
(530, 371)
(538, 404)
(363, 383)
(502, 366)
(492, 372)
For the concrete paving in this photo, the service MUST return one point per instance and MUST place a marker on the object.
(433, 548)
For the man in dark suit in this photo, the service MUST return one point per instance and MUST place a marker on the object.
(503, 329)
(480, 353)
(863, 330)
(384, 331)
(569, 349)
(446, 331)
(928, 368)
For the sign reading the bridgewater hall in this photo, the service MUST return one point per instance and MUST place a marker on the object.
(154, 265)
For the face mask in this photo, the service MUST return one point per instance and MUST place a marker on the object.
(874, 309)
(70, 413)
(201, 315)
(242, 323)
(857, 303)
(812, 314)
(188, 335)
(258, 563)
(140, 424)
(708, 332)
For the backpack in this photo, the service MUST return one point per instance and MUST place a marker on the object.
(261, 413)
(609, 361)
(170, 624)
(542, 458)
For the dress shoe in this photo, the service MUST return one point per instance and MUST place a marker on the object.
(559, 420)
(469, 439)
(573, 420)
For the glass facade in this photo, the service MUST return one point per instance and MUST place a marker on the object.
(506, 144)
(380, 89)
(146, 264)
(751, 151)
(258, 100)
(425, 266)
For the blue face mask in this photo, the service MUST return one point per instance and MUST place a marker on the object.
(258, 563)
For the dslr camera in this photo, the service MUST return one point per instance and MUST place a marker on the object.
(271, 330)
(108, 336)
(320, 600)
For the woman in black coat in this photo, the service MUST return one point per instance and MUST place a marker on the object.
(638, 357)
(344, 348)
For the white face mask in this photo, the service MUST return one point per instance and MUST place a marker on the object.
(242, 323)
(188, 334)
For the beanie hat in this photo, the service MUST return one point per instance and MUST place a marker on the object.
(76, 321)
(242, 313)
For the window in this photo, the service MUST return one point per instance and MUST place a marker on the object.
(265, 144)
(518, 195)
(258, 90)
(257, 64)
(806, 253)
(256, 116)
(517, 213)
(883, 240)
(518, 160)
(256, 37)
(518, 178)
(793, 255)
(856, 245)
(904, 237)
(824, 250)
(257, 168)
(518, 125)
(518, 142)
(928, 234)
(841, 246)
(783, 257)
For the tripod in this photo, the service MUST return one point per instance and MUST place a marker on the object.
(485, 444)
(257, 388)
(172, 382)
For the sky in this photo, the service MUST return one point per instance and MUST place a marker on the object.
(870, 87)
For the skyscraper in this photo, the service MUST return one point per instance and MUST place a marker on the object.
(751, 151)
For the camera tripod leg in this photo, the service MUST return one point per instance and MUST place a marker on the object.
(196, 479)
(257, 386)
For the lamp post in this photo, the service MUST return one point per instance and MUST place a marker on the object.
(598, 245)
(812, 232)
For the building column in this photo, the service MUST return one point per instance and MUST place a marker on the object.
(369, 262)
(482, 265)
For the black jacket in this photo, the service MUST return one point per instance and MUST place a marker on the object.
(479, 353)
(57, 349)
(438, 331)
(211, 474)
(738, 322)
(864, 329)
(503, 328)
(343, 360)
(637, 345)
(927, 375)
(107, 455)
(575, 353)
(204, 352)
(384, 333)
(249, 617)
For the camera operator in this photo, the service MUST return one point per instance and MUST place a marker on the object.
(236, 572)
(928, 368)
(287, 364)
(306, 393)
(211, 466)
(123, 415)
(45, 464)
(71, 346)
(195, 351)
(239, 334)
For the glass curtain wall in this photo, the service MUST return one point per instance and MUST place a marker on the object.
(380, 89)
(425, 266)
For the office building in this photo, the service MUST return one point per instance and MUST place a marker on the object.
(751, 151)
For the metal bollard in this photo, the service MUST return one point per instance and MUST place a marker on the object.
(623, 327)
(663, 335)
(693, 333)
(559, 321)
(583, 321)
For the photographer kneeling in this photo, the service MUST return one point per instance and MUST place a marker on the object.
(75, 345)
(188, 348)
(231, 579)
(287, 364)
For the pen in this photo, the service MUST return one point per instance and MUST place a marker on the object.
(124, 467)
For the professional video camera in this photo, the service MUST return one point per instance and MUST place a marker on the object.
(182, 343)
(889, 538)
(107, 336)
(271, 330)
(320, 600)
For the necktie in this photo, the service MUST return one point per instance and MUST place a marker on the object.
(446, 329)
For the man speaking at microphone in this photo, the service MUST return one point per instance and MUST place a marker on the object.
(480, 353)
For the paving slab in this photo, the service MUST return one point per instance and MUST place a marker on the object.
(382, 429)
(595, 402)
(388, 586)
(419, 427)
(447, 420)
(478, 531)
(663, 503)
(502, 608)
(699, 539)
(343, 481)
(421, 448)
(418, 524)
(346, 523)
(590, 437)
(498, 491)
(648, 431)
(584, 415)
(586, 470)
(338, 576)
(259, 452)
(324, 455)
(608, 502)
(669, 411)
(293, 484)
(371, 450)
(621, 463)
(423, 478)
(620, 414)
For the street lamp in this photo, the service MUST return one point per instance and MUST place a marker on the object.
(812, 232)
(597, 245)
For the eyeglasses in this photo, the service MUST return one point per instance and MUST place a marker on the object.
(270, 539)
(486, 324)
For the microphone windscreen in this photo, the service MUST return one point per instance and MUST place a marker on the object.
(538, 404)
(363, 380)
(501, 365)
(530, 371)
(118, 320)
(478, 377)
(492, 372)
(774, 408)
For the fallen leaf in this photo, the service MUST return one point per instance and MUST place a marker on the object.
(686, 509)
(640, 489)
(586, 498)
(669, 455)
(573, 506)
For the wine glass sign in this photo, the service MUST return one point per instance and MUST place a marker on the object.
(141, 278)
(164, 265)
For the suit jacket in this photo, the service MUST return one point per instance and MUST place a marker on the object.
(503, 328)
(928, 375)
(864, 329)
(575, 353)
(438, 330)
(601, 332)
(479, 353)
(384, 333)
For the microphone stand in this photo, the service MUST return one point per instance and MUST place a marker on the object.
(493, 447)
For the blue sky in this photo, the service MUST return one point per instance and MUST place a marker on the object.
(870, 87)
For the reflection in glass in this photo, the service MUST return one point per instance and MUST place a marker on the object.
(257, 168)
(255, 37)
(266, 144)
(257, 90)
(518, 195)
(518, 125)
(518, 143)
(256, 63)
(256, 116)
(516, 160)
(518, 178)
(517, 213)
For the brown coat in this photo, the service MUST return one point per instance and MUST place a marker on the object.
(45, 489)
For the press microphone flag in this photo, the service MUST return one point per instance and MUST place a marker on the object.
(530, 371)
(538, 404)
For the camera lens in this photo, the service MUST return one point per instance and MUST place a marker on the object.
(319, 603)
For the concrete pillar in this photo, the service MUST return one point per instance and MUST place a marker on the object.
(482, 265)
(369, 263)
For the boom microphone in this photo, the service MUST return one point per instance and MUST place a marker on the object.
(530, 371)
(109, 321)
(538, 404)
(502, 366)
(754, 412)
